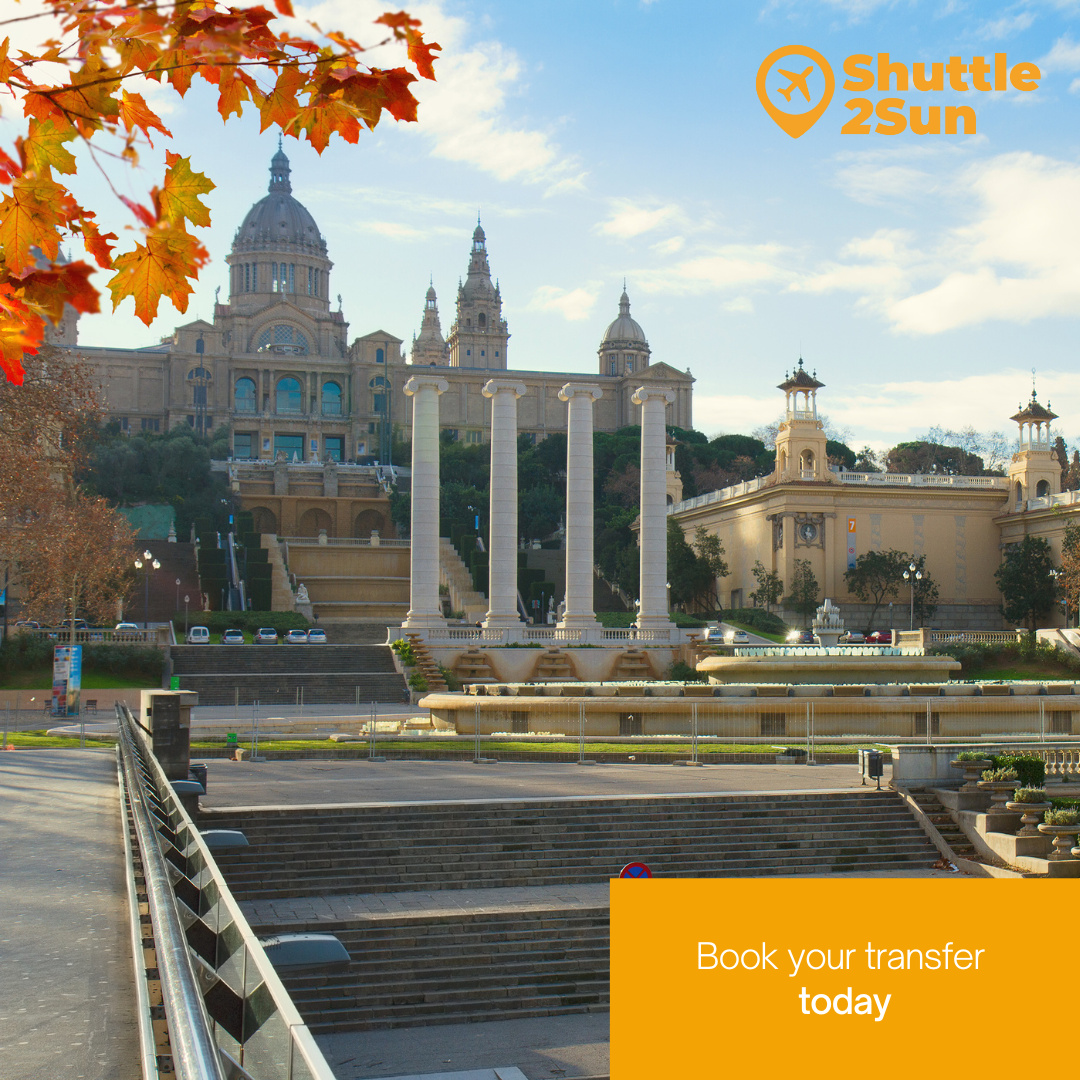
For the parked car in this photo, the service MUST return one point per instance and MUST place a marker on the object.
(879, 637)
(738, 637)
(126, 631)
(296, 637)
(316, 637)
(266, 635)
(80, 624)
(198, 635)
(801, 637)
(714, 635)
(853, 637)
(28, 624)
(232, 637)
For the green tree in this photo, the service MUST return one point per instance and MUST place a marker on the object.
(684, 571)
(1069, 580)
(1028, 588)
(711, 553)
(876, 576)
(803, 595)
(926, 591)
(770, 587)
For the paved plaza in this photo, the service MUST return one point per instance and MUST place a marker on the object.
(67, 998)
(315, 783)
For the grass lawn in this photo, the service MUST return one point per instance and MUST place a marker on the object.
(1025, 670)
(780, 639)
(555, 746)
(38, 740)
(41, 679)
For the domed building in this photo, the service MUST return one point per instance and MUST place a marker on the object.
(275, 364)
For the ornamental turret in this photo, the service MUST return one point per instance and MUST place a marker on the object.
(479, 336)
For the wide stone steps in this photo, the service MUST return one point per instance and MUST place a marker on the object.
(270, 691)
(280, 659)
(384, 849)
(942, 820)
(491, 966)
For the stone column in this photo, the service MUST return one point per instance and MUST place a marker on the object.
(424, 607)
(503, 498)
(579, 613)
(653, 613)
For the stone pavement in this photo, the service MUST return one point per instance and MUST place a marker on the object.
(442, 902)
(345, 782)
(544, 1048)
(66, 975)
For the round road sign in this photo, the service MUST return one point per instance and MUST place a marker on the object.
(635, 870)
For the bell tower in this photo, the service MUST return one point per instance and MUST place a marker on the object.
(800, 442)
(479, 335)
(1034, 470)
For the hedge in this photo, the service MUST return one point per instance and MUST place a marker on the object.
(1030, 770)
(758, 618)
(218, 621)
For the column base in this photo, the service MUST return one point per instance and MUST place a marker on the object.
(502, 622)
(578, 622)
(655, 622)
(423, 622)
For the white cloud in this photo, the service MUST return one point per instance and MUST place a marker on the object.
(741, 305)
(995, 29)
(466, 112)
(629, 219)
(573, 305)
(1063, 56)
(669, 246)
(716, 413)
(732, 266)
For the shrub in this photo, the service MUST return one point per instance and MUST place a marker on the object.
(1029, 795)
(1030, 770)
(405, 651)
(453, 683)
(115, 659)
(1068, 816)
(418, 682)
(972, 755)
(1000, 775)
(218, 621)
(683, 672)
(21, 651)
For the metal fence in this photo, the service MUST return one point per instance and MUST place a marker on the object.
(229, 1016)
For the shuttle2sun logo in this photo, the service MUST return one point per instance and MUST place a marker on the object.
(798, 93)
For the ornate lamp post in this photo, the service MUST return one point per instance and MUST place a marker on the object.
(911, 575)
(150, 563)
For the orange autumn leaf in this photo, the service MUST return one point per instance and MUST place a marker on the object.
(29, 218)
(135, 113)
(179, 197)
(48, 291)
(155, 269)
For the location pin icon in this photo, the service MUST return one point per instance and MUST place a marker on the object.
(795, 124)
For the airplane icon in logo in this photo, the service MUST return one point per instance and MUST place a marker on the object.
(798, 81)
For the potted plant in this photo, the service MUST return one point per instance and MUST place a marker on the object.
(1063, 826)
(973, 762)
(1032, 803)
(999, 784)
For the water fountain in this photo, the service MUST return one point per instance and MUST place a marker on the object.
(827, 625)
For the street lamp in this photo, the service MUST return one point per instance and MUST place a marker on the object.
(177, 608)
(150, 563)
(1057, 575)
(185, 615)
(911, 575)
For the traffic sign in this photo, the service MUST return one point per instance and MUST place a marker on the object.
(635, 870)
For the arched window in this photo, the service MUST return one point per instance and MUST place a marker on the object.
(1042, 489)
(331, 399)
(380, 388)
(481, 320)
(245, 396)
(380, 356)
(289, 396)
(1019, 493)
(282, 339)
(807, 459)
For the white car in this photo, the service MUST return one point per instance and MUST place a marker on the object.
(738, 637)
(198, 635)
(296, 637)
(316, 637)
(125, 631)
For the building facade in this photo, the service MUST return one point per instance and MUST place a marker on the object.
(809, 510)
(276, 362)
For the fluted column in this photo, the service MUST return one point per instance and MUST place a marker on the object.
(503, 498)
(424, 607)
(653, 613)
(578, 613)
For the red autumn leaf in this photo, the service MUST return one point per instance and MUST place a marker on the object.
(134, 113)
(48, 291)
(420, 54)
(147, 217)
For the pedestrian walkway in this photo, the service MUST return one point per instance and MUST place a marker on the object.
(67, 997)
(440, 902)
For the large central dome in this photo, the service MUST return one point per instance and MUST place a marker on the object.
(279, 222)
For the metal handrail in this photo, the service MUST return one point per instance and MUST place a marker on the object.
(195, 1054)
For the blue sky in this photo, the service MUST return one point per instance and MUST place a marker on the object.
(922, 276)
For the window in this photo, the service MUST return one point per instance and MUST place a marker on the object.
(529, 437)
(247, 277)
(483, 352)
(468, 352)
(282, 277)
(379, 399)
(152, 425)
(291, 445)
(242, 443)
(198, 377)
(378, 403)
(289, 396)
(310, 278)
(451, 434)
(335, 447)
(123, 422)
(371, 428)
(474, 436)
(292, 277)
(361, 449)
(613, 365)
(200, 346)
(481, 321)
(245, 396)
(282, 339)
(379, 356)
(496, 352)
(331, 400)
(316, 282)
(191, 421)
(629, 364)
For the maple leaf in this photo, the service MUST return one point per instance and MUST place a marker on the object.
(280, 106)
(9, 168)
(48, 291)
(29, 218)
(43, 148)
(20, 332)
(134, 113)
(179, 197)
(158, 268)
(147, 217)
(95, 241)
(420, 53)
(322, 120)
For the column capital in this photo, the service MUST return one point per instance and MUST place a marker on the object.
(574, 388)
(423, 382)
(495, 386)
(645, 393)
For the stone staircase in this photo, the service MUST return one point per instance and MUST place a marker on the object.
(454, 574)
(633, 664)
(473, 667)
(328, 850)
(458, 969)
(942, 820)
(426, 665)
(555, 665)
(282, 597)
(276, 674)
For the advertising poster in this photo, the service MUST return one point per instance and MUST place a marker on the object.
(695, 384)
